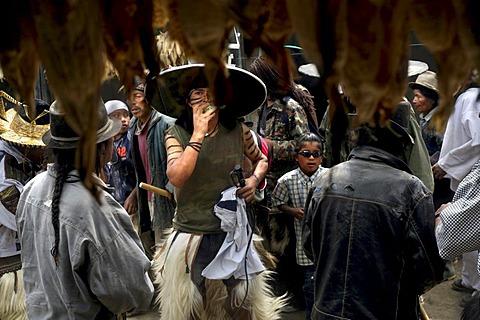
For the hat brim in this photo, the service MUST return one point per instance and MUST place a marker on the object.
(416, 67)
(309, 70)
(16, 138)
(416, 85)
(111, 129)
(168, 92)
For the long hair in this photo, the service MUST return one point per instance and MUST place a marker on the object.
(263, 68)
(64, 163)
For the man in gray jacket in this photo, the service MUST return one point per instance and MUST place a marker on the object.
(81, 257)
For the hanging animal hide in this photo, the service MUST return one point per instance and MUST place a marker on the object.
(439, 27)
(362, 44)
(73, 60)
(18, 49)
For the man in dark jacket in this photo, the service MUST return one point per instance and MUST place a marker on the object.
(150, 161)
(369, 228)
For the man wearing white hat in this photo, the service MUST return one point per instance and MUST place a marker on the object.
(425, 101)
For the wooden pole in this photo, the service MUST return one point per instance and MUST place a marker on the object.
(156, 190)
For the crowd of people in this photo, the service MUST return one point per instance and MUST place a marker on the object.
(237, 211)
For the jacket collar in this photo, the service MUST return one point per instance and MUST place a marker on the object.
(74, 177)
(374, 154)
(154, 118)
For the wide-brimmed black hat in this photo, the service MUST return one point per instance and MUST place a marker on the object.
(62, 136)
(169, 93)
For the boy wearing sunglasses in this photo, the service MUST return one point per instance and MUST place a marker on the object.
(290, 195)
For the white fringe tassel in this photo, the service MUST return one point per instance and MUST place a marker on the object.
(12, 304)
(178, 298)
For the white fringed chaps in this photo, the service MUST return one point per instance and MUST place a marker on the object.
(12, 304)
(179, 299)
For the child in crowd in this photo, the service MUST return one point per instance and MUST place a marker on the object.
(290, 195)
(120, 170)
(122, 173)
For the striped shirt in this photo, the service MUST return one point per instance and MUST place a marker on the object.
(292, 189)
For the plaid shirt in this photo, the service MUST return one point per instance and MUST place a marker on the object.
(292, 189)
(459, 229)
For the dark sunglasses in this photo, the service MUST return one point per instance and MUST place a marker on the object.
(308, 154)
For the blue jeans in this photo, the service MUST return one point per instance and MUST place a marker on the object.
(308, 289)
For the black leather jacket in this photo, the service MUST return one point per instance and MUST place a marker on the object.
(369, 228)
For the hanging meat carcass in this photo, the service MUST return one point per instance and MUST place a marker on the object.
(444, 28)
(18, 49)
(203, 26)
(362, 44)
(71, 50)
(72, 37)
(130, 38)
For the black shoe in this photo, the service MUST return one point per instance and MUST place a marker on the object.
(289, 308)
(467, 299)
(458, 286)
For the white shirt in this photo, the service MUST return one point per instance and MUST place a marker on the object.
(461, 143)
(237, 256)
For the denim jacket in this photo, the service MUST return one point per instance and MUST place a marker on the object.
(101, 262)
(369, 228)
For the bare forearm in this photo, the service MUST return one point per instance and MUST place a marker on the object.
(260, 169)
(180, 169)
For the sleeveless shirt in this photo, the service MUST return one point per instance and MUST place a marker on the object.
(196, 199)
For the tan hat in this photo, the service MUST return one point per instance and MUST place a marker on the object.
(427, 80)
(23, 133)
